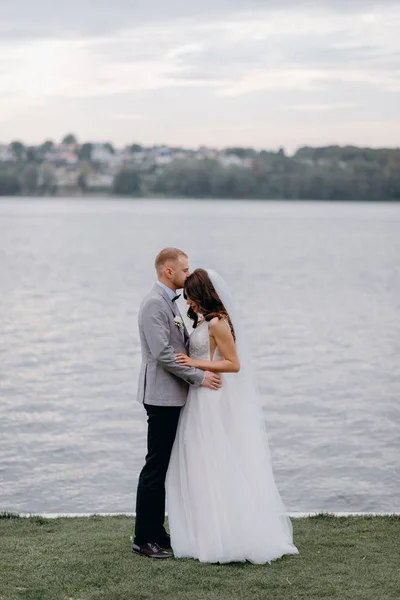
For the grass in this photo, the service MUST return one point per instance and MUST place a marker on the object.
(343, 558)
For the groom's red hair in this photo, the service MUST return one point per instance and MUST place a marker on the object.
(167, 255)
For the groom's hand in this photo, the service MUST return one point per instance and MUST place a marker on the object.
(212, 381)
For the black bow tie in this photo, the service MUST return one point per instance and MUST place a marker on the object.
(176, 298)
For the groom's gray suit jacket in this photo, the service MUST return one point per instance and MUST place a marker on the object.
(162, 381)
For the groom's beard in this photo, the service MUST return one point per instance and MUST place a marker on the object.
(179, 285)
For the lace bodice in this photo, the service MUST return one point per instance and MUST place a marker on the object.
(199, 344)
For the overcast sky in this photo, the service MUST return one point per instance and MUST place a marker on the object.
(216, 72)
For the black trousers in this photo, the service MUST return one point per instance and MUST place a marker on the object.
(150, 500)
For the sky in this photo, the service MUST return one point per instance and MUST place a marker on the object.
(259, 73)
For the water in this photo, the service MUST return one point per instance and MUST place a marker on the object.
(319, 287)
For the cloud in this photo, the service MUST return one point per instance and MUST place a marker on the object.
(320, 107)
(54, 18)
(137, 60)
(128, 117)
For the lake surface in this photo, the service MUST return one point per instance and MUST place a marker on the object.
(319, 289)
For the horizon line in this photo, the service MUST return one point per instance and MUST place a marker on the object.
(198, 146)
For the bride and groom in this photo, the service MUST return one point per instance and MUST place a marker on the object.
(207, 448)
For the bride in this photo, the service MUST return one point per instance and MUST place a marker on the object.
(223, 504)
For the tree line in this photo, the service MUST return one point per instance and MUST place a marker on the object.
(326, 173)
(331, 173)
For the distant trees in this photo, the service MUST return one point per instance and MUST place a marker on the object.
(351, 173)
(29, 179)
(47, 180)
(241, 152)
(82, 183)
(85, 151)
(186, 178)
(109, 147)
(321, 173)
(69, 139)
(18, 149)
(332, 173)
(127, 182)
(45, 147)
(266, 178)
(9, 182)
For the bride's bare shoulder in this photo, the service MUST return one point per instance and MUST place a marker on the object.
(213, 323)
(216, 325)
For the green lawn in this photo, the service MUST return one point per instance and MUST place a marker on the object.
(345, 558)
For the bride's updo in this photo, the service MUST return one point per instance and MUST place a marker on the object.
(198, 287)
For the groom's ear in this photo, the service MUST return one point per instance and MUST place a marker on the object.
(168, 272)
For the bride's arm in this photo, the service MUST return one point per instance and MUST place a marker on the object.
(225, 343)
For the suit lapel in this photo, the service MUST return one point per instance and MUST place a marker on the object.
(185, 331)
(164, 294)
(168, 300)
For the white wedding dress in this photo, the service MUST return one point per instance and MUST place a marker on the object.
(223, 504)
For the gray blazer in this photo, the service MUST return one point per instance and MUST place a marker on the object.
(162, 381)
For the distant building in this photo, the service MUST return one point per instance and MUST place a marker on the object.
(100, 180)
(232, 160)
(180, 155)
(64, 177)
(139, 157)
(324, 162)
(62, 156)
(102, 154)
(306, 161)
(163, 156)
(127, 157)
(205, 152)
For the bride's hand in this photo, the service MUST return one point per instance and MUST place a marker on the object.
(182, 359)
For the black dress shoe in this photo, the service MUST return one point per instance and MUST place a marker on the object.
(165, 542)
(151, 550)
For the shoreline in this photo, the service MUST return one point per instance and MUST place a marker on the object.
(108, 195)
(291, 515)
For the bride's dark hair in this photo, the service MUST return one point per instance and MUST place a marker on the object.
(198, 287)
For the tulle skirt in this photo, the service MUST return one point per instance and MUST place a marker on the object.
(223, 504)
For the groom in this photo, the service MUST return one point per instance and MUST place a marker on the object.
(163, 389)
